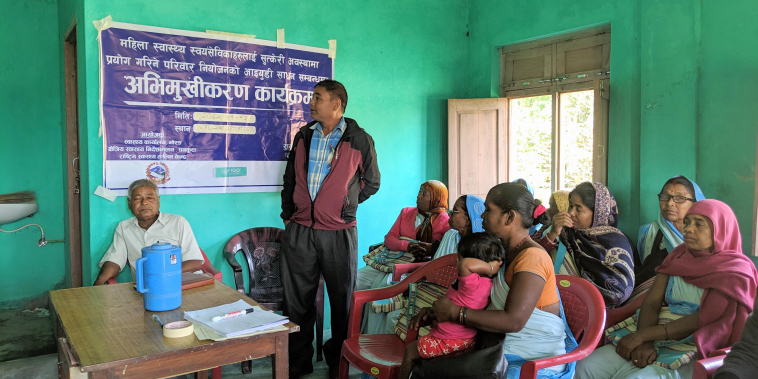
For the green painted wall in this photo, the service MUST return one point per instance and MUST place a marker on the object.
(399, 60)
(668, 82)
(683, 88)
(31, 149)
(682, 102)
(497, 23)
(727, 106)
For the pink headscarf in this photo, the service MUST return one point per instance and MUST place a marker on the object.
(728, 277)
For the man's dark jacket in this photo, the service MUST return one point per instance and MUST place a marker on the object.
(353, 178)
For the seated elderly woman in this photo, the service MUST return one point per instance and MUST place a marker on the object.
(415, 231)
(590, 245)
(524, 303)
(465, 219)
(658, 238)
(708, 286)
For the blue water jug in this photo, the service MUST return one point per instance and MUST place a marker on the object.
(159, 276)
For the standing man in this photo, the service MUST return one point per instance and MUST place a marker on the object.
(330, 170)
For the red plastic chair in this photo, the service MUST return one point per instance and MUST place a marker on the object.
(584, 308)
(207, 268)
(384, 352)
(405, 268)
(616, 315)
(705, 368)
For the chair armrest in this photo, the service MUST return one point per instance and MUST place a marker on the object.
(209, 269)
(404, 268)
(705, 368)
(586, 346)
(616, 315)
(238, 281)
(720, 352)
(410, 335)
(362, 297)
(529, 368)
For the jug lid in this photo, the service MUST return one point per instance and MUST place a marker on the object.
(162, 246)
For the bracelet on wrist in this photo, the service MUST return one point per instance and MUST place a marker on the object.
(464, 315)
(665, 330)
(460, 316)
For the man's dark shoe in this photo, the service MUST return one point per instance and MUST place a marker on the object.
(298, 372)
(334, 372)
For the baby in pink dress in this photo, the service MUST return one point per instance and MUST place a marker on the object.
(480, 256)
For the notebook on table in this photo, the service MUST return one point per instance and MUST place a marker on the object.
(192, 280)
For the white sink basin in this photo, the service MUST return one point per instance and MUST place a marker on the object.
(14, 212)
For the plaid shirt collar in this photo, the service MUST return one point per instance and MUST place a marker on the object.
(341, 126)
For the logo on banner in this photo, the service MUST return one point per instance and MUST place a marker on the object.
(157, 172)
(225, 172)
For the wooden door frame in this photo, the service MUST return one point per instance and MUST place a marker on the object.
(73, 163)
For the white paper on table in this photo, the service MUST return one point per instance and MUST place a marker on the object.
(252, 322)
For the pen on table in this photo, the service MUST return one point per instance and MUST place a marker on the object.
(158, 320)
(233, 314)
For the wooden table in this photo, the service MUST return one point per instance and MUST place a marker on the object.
(105, 332)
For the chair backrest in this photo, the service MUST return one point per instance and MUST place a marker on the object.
(583, 307)
(261, 248)
(442, 271)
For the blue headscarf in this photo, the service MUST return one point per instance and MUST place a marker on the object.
(529, 187)
(449, 242)
(673, 237)
(475, 207)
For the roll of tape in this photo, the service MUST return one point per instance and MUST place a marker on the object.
(178, 329)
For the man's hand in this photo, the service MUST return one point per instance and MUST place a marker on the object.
(108, 271)
(192, 265)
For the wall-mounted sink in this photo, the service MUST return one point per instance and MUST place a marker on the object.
(14, 212)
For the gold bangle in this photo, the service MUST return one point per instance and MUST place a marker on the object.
(465, 310)
(460, 316)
